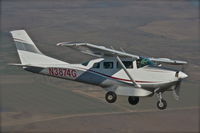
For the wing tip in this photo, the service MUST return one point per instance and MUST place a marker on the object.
(71, 43)
(14, 31)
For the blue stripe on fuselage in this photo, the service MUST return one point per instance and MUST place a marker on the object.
(91, 78)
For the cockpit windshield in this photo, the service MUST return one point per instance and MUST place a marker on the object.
(144, 62)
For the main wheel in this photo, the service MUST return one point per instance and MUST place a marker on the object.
(133, 100)
(162, 105)
(110, 97)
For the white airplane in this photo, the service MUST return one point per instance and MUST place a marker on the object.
(118, 72)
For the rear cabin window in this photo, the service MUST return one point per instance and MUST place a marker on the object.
(85, 63)
(96, 65)
(127, 64)
(108, 65)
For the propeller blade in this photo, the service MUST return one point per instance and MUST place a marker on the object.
(183, 68)
(176, 90)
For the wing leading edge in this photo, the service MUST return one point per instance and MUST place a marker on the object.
(101, 51)
(168, 61)
(95, 50)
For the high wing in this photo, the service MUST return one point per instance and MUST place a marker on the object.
(101, 51)
(95, 50)
(168, 61)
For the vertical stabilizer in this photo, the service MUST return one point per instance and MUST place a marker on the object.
(28, 52)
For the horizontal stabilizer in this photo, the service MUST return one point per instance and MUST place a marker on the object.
(15, 64)
(22, 65)
(31, 68)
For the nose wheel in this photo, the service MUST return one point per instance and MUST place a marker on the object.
(111, 97)
(161, 104)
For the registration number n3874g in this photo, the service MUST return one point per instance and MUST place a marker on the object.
(62, 72)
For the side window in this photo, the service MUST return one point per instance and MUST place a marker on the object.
(138, 63)
(144, 62)
(85, 63)
(108, 65)
(127, 64)
(96, 65)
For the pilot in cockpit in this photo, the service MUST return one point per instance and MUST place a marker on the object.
(144, 62)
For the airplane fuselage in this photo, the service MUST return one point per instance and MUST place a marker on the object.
(149, 77)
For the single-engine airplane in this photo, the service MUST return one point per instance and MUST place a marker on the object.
(118, 72)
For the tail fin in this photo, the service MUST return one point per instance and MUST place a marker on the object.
(28, 52)
(24, 42)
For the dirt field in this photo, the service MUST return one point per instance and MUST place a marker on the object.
(36, 103)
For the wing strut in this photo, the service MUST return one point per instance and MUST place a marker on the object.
(128, 74)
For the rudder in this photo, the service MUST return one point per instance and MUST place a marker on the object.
(28, 52)
(24, 42)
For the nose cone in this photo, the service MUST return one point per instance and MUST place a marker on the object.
(182, 75)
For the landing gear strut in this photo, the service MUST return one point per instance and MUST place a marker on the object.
(161, 104)
(111, 97)
(133, 100)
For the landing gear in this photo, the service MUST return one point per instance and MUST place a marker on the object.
(161, 104)
(133, 100)
(110, 97)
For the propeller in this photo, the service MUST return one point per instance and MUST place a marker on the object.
(176, 90)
